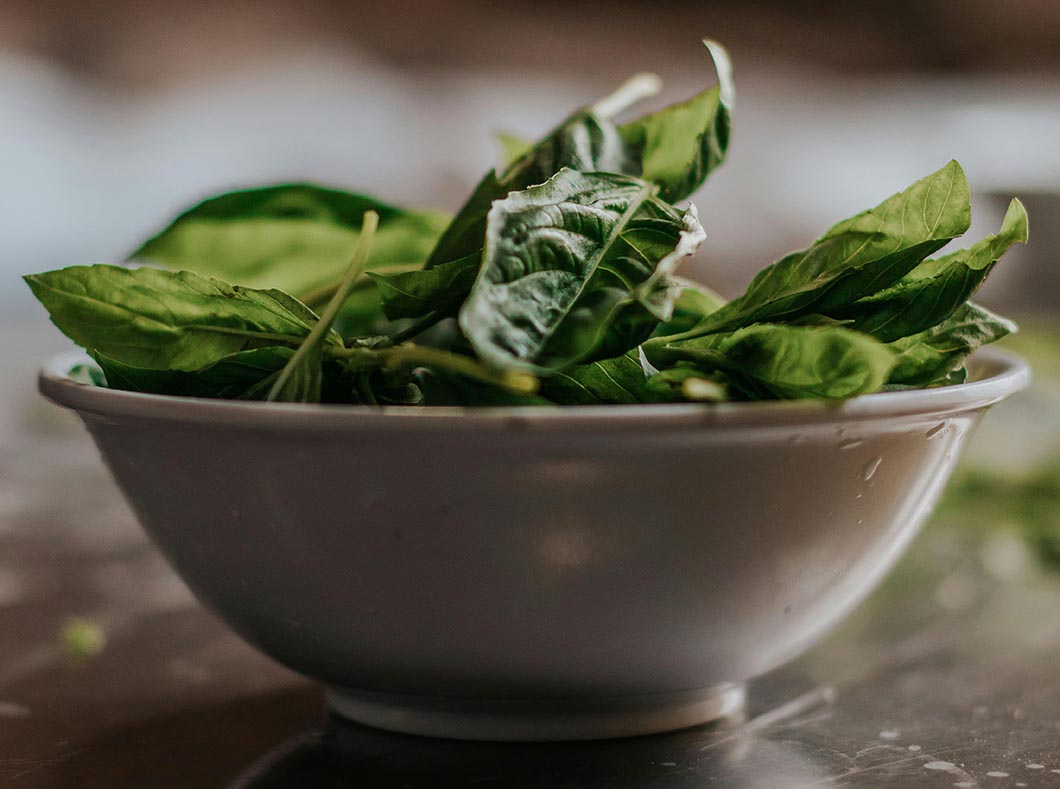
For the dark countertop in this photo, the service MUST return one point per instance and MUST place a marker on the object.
(948, 676)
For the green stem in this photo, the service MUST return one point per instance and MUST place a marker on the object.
(320, 330)
(409, 355)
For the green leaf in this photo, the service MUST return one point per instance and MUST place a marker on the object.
(245, 375)
(857, 257)
(931, 292)
(621, 379)
(931, 356)
(777, 360)
(302, 378)
(680, 146)
(167, 320)
(583, 141)
(295, 237)
(677, 147)
(411, 294)
(563, 259)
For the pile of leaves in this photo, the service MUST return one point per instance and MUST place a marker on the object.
(554, 283)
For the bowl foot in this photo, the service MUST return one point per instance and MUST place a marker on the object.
(516, 720)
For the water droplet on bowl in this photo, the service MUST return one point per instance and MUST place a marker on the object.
(935, 430)
(870, 468)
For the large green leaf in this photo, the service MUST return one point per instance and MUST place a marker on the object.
(929, 293)
(295, 237)
(931, 356)
(857, 257)
(778, 360)
(679, 146)
(162, 319)
(563, 259)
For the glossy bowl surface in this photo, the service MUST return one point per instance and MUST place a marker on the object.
(534, 573)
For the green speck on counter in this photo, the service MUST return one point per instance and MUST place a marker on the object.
(82, 639)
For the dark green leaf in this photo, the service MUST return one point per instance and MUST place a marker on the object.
(931, 356)
(788, 361)
(245, 375)
(680, 146)
(857, 257)
(412, 294)
(295, 237)
(933, 290)
(622, 379)
(563, 259)
(162, 319)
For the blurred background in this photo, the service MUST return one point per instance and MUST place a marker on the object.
(116, 113)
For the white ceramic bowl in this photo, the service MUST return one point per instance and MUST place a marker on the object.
(534, 573)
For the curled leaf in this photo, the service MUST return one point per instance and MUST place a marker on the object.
(931, 356)
(563, 259)
(679, 146)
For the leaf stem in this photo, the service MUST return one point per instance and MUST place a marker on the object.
(409, 355)
(320, 330)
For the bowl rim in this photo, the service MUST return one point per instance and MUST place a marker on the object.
(997, 375)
